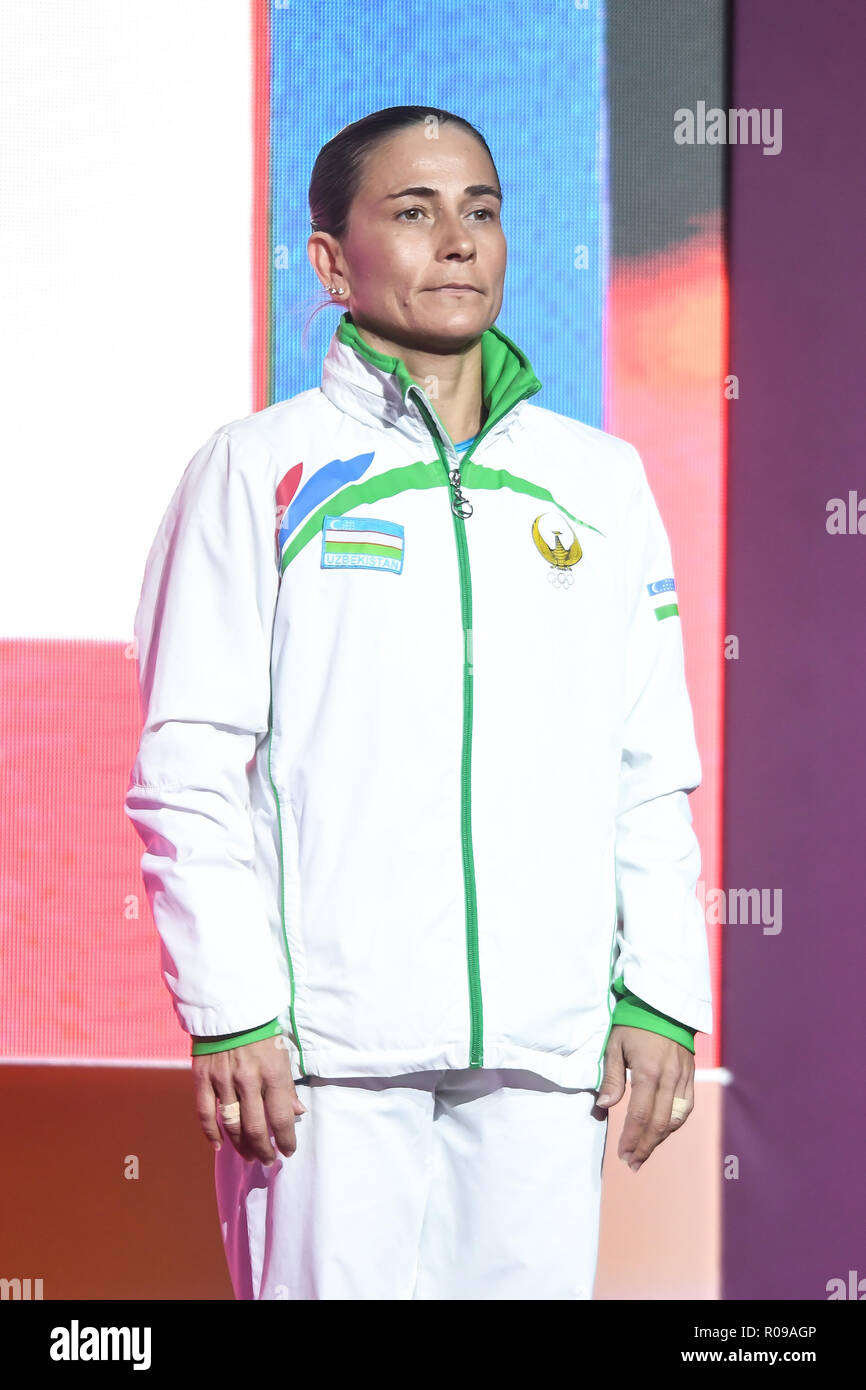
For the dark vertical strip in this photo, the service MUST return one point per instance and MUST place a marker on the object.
(794, 1217)
(662, 55)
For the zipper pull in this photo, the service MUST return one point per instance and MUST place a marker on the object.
(460, 505)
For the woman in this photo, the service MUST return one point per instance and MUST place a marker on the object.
(413, 777)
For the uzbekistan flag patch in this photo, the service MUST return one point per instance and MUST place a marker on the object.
(362, 542)
(663, 593)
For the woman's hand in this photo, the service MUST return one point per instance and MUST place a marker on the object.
(660, 1070)
(259, 1076)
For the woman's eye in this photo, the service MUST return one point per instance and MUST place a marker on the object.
(486, 214)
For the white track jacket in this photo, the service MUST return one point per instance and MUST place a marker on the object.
(417, 745)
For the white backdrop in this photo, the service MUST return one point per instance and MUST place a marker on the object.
(125, 293)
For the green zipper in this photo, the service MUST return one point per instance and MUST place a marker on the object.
(507, 378)
(460, 510)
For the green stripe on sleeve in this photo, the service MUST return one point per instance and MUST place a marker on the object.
(635, 1013)
(202, 1046)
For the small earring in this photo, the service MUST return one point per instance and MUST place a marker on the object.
(331, 290)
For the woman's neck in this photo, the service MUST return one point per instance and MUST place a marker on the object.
(451, 380)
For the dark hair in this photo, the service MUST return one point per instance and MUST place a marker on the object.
(339, 164)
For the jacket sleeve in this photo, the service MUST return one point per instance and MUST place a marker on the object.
(635, 1013)
(203, 632)
(663, 957)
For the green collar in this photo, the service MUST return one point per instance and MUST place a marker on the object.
(506, 374)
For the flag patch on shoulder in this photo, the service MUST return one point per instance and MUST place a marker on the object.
(663, 593)
(362, 542)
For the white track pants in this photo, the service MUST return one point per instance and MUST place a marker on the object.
(474, 1184)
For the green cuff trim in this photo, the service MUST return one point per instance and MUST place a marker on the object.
(633, 1012)
(202, 1046)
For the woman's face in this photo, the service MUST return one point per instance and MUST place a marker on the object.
(426, 215)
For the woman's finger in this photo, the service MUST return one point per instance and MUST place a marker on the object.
(206, 1105)
(231, 1111)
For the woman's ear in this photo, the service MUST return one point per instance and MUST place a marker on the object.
(323, 255)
